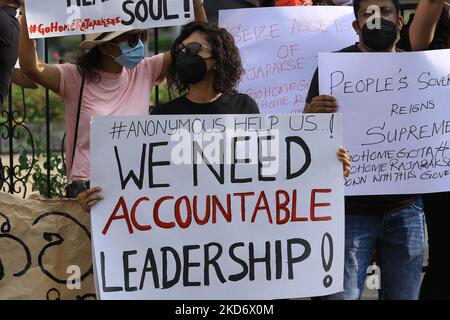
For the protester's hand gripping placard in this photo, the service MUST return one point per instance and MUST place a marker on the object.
(397, 119)
(218, 207)
(54, 18)
(280, 46)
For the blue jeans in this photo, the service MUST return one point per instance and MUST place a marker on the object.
(399, 238)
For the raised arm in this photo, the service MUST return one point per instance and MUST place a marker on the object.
(20, 79)
(423, 26)
(44, 74)
(200, 14)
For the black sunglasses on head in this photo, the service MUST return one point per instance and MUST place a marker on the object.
(192, 48)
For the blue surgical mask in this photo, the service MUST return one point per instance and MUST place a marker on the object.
(130, 57)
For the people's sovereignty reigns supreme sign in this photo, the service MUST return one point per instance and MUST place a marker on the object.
(396, 107)
(53, 18)
(218, 207)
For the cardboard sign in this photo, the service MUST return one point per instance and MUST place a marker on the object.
(45, 250)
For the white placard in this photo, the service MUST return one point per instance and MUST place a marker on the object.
(54, 18)
(279, 49)
(222, 229)
(396, 116)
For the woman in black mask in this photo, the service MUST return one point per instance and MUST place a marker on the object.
(206, 67)
(206, 64)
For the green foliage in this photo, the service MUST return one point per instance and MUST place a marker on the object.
(164, 95)
(38, 167)
(35, 102)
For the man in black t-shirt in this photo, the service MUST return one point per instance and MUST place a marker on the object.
(392, 224)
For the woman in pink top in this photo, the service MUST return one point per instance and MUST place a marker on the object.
(117, 81)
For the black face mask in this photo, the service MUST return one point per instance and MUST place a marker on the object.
(380, 39)
(191, 69)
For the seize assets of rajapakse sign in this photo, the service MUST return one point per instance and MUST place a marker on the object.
(54, 18)
(218, 207)
(397, 118)
(279, 48)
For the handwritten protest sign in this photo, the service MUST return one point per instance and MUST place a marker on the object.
(54, 18)
(279, 48)
(218, 207)
(45, 250)
(397, 119)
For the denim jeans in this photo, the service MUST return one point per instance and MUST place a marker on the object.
(399, 239)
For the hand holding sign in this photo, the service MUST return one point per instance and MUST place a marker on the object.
(322, 104)
(90, 198)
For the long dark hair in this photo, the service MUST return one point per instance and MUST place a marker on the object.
(228, 71)
(88, 62)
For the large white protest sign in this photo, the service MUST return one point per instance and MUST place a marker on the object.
(396, 116)
(54, 18)
(279, 49)
(258, 214)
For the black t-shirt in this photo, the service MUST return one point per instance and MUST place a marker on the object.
(365, 204)
(233, 103)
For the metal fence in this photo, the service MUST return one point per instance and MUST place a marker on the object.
(13, 120)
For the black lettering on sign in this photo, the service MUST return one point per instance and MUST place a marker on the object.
(307, 152)
(327, 261)
(166, 282)
(213, 262)
(155, 10)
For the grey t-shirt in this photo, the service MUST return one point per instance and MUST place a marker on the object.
(212, 7)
